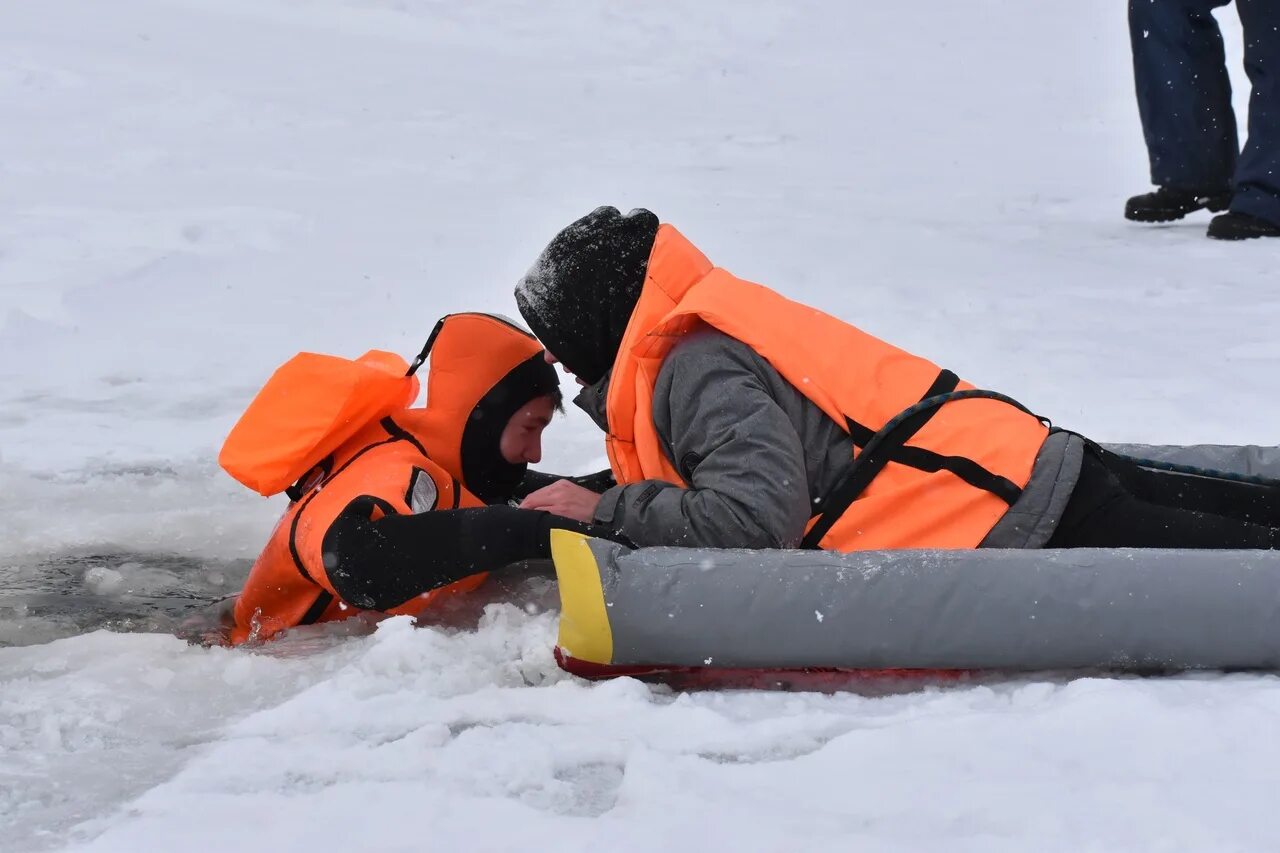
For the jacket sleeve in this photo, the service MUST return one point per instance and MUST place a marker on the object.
(734, 445)
(379, 564)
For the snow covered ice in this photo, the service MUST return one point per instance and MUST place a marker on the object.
(193, 190)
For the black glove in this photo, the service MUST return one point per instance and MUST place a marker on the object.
(378, 565)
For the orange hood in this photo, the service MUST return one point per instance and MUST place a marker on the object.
(482, 370)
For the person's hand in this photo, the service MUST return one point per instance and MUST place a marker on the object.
(564, 498)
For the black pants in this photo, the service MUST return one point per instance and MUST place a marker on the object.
(1117, 504)
(1184, 99)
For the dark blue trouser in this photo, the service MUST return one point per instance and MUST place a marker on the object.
(1184, 98)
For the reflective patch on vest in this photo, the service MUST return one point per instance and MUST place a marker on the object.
(423, 494)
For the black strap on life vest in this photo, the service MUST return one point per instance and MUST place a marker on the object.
(394, 433)
(888, 444)
(421, 357)
(314, 476)
(323, 599)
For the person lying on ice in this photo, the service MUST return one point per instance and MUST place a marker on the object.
(411, 508)
(737, 418)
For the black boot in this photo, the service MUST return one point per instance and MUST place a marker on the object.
(1241, 226)
(1167, 204)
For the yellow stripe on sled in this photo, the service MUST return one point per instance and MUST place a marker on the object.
(584, 621)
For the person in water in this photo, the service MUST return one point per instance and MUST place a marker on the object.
(412, 508)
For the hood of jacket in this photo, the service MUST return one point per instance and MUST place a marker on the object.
(481, 370)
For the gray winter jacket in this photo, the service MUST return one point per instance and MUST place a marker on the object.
(758, 454)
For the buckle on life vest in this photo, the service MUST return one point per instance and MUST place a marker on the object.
(311, 479)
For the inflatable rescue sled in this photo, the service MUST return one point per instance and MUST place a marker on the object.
(691, 615)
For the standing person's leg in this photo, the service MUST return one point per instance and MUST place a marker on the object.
(1257, 176)
(1184, 100)
(1102, 513)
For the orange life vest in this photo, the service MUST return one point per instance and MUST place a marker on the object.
(409, 460)
(859, 381)
(288, 584)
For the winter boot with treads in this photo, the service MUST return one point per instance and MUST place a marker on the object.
(1241, 226)
(1167, 204)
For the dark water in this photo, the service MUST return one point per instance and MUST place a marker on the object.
(60, 595)
(47, 598)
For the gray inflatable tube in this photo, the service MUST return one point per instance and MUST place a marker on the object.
(656, 610)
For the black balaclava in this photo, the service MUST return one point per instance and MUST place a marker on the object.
(490, 477)
(579, 295)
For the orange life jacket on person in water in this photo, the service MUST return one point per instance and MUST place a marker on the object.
(946, 486)
(406, 460)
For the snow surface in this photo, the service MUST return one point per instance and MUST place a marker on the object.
(193, 190)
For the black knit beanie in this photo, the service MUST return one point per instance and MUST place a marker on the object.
(578, 296)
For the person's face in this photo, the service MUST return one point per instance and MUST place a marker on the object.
(521, 439)
(551, 359)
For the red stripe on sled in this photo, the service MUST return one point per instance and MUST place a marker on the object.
(821, 679)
